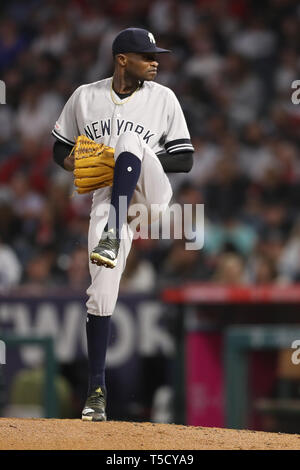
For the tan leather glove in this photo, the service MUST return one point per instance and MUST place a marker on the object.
(94, 165)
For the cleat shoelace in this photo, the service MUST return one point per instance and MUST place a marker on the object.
(109, 241)
(107, 244)
(95, 401)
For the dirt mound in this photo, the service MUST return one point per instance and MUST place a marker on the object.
(66, 434)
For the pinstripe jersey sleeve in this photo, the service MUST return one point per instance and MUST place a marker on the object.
(66, 129)
(177, 136)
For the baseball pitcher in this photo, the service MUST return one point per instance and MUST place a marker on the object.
(119, 136)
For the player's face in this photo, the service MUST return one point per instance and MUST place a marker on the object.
(141, 66)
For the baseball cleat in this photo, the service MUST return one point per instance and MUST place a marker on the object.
(106, 252)
(94, 408)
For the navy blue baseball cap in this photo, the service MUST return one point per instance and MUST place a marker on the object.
(135, 40)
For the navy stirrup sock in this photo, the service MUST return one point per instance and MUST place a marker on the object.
(98, 332)
(126, 175)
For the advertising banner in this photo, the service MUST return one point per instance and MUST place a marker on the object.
(140, 340)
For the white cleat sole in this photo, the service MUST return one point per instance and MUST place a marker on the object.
(86, 418)
(91, 418)
(102, 261)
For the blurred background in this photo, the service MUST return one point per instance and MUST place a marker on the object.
(199, 337)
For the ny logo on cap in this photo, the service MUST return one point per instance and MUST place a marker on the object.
(151, 37)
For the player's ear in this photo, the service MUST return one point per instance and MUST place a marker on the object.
(121, 59)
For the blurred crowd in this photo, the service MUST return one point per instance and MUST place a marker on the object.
(232, 69)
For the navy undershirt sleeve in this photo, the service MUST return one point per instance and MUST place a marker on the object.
(60, 152)
(177, 162)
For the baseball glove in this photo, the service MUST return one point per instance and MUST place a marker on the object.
(93, 165)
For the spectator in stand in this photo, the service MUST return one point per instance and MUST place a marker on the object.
(289, 30)
(168, 67)
(272, 187)
(262, 271)
(225, 193)
(286, 73)
(289, 261)
(36, 113)
(239, 92)
(77, 273)
(230, 270)
(255, 40)
(270, 246)
(252, 212)
(204, 63)
(182, 264)
(276, 219)
(206, 157)
(38, 278)
(93, 22)
(12, 42)
(10, 268)
(32, 160)
(139, 275)
(231, 231)
(54, 36)
(7, 131)
(287, 160)
(28, 204)
(255, 156)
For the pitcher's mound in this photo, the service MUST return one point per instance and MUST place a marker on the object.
(68, 434)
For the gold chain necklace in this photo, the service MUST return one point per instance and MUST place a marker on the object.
(123, 101)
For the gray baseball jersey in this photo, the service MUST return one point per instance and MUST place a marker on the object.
(153, 112)
(147, 123)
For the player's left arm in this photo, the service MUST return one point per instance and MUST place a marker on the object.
(178, 154)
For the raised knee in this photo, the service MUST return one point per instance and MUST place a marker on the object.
(129, 141)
